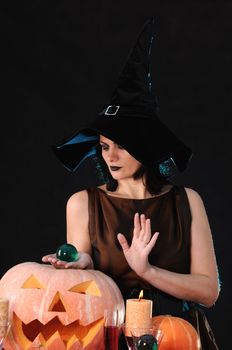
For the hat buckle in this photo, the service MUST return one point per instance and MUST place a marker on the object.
(112, 110)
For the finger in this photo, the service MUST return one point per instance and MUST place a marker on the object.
(123, 242)
(147, 235)
(51, 260)
(137, 226)
(60, 262)
(143, 226)
(152, 242)
(47, 258)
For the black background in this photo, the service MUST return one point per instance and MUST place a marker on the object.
(60, 61)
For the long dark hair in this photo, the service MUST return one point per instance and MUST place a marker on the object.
(153, 180)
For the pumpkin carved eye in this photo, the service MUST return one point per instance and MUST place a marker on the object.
(32, 282)
(87, 287)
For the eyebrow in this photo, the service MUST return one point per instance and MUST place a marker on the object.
(106, 143)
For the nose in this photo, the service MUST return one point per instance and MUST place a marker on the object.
(112, 154)
(57, 304)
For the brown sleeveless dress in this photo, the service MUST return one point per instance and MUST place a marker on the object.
(170, 215)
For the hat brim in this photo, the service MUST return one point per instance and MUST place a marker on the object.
(147, 139)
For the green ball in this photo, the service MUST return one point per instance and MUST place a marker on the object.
(147, 342)
(67, 252)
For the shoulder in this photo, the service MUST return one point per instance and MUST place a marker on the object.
(195, 200)
(192, 194)
(78, 200)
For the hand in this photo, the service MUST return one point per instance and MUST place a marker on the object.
(84, 262)
(142, 243)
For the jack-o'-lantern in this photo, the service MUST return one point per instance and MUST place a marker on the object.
(177, 333)
(58, 309)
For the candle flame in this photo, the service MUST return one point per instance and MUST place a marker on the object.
(141, 295)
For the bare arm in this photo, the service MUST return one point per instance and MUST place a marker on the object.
(77, 220)
(201, 285)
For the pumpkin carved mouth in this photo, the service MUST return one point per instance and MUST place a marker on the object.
(41, 335)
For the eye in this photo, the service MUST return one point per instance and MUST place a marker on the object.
(104, 147)
(32, 282)
(120, 147)
(87, 287)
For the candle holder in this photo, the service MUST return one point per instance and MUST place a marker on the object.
(143, 338)
(146, 338)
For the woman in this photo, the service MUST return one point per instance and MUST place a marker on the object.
(138, 227)
(200, 285)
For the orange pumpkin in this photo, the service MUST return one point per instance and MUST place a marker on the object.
(58, 309)
(178, 334)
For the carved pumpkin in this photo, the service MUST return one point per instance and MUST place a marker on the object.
(58, 309)
(178, 334)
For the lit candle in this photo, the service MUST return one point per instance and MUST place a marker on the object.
(4, 311)
(138, 313)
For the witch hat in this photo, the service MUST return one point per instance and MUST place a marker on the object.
(130, 119)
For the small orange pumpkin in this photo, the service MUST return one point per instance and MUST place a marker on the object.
(58, 309)
(178, 334)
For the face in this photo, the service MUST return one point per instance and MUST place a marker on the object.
(120, 163)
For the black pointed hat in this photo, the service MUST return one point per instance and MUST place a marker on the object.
(130, 119)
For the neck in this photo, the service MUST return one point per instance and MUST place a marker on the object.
(132, 189)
